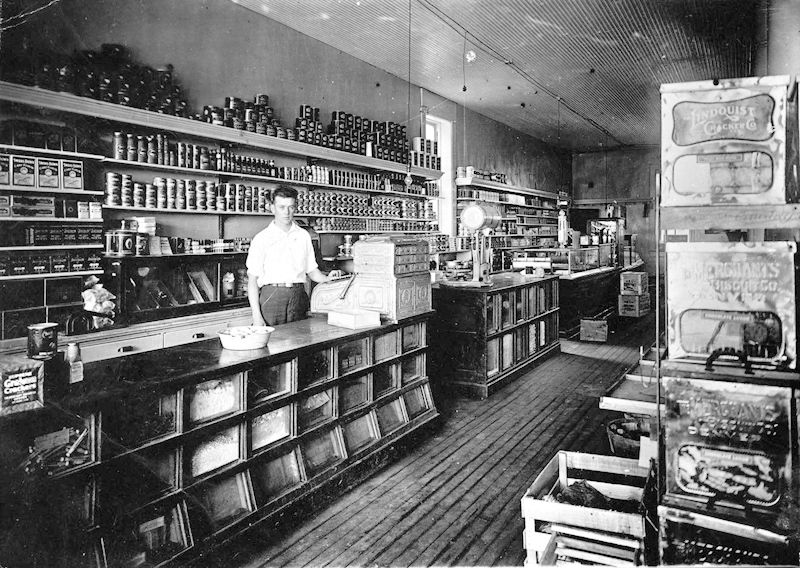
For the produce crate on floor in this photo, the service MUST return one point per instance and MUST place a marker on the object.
(689, 538)
(598, 531)
(594, 330)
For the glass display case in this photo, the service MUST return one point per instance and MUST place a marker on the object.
(412, 368)
(360, 433)
(321, 451)
(151, 537)
(313, 367)
(270, 427)
(473, 354)
(213, 399)
(223, 500)
(133, 480)
(274, 476)
(315, 410)
(264, 383)
(213, 452)
(353, 393)
(418, 401)
(156, 287)
(352, 356)
(567, 260)
(130, 422)
(384, 380)
(384, 346)
(390, 416)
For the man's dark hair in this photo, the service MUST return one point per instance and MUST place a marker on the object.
(284, 191)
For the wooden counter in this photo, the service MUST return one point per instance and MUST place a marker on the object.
(159, 456)
(584, 294)
(487, 336)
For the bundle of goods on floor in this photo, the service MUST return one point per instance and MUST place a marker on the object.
(591, 509)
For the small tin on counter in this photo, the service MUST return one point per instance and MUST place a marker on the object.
(42, 340)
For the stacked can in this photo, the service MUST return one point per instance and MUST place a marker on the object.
(150, 196)
(130, 148)
(221, 198)
(113, 188)
(180, 194)
(191, 195)
(159, 197)
(171, 192)
(138, 195)
(211, 196)
(201, 195)
(126, 191)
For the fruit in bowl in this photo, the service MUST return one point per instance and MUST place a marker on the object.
(242, 337)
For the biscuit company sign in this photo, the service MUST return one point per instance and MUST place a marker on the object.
(744, 119)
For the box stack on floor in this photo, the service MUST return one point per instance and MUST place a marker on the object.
(729, 427)
(634, 295)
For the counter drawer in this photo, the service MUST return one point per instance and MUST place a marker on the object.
(197, 333)
(121, 347)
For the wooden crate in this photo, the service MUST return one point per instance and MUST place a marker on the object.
(594, 330)
(555, 530)
(633, 283)
(633, 306)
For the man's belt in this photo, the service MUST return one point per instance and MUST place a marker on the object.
(285, 284)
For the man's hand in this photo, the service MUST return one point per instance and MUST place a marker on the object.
(335, 274)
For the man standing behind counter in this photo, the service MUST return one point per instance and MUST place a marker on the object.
(280, 257)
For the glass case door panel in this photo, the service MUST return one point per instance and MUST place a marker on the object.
(162, 285)
(152, 537)
(384, 380)
(384, 346)
(213, 399)
(412, 368)
(508, 351)
(321, 452)
(413, 337)
(353, 393)
(130, 422)
(51, 445)
(519, 304)
(315, 410)
(360, 433)
(418, 401)
(214, 452)
(390, 416)
(270, 427)
(543, 335)
(352, 356)
(313, 367)
(533, 303)
(267, 382)
(493, 356)
(507, 313)
(272, 477)
(491, 313)
(520, 343)
(224, 500)
(133, 480)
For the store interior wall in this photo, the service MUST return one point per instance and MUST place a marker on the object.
(220, 49)
(628, 175)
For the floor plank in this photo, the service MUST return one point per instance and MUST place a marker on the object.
(454, 500)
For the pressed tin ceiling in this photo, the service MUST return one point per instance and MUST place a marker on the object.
(578, 74)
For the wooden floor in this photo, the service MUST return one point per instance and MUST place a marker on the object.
(454, 499)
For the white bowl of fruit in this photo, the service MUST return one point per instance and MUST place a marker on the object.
(242, 337)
